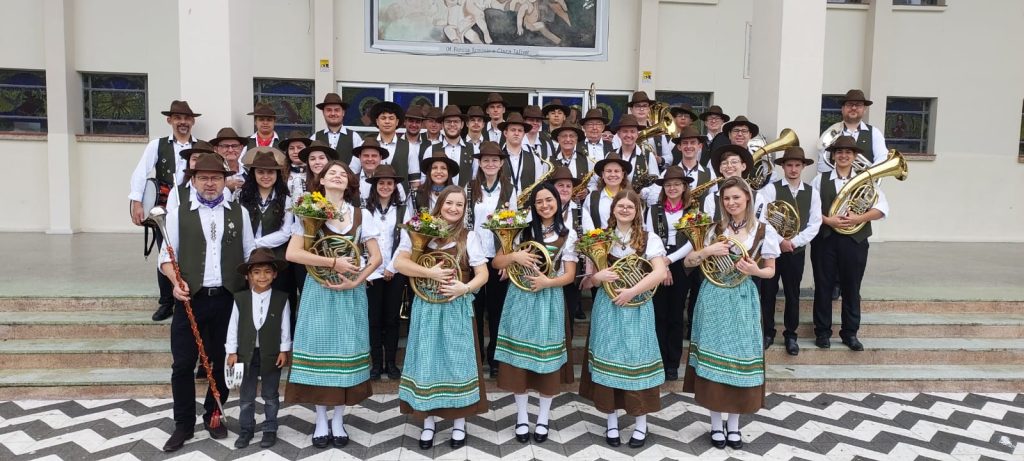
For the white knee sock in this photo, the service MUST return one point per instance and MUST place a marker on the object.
(459, 424)
(640, 430)
(522, 413)
(428, 428)
(543, 415)
(338, 423)
(613, 425)
(716, 425)
(734, 425)
(321, 421)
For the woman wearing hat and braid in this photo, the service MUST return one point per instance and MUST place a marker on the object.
(385, 286)
(265, 195)
(438, 169)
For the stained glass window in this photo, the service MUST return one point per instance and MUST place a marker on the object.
(291, 99)
(920, 2)
(698, 101)
(1021, 152)
(831, 110)
(115, 104)
(907, 121)
(22, 100)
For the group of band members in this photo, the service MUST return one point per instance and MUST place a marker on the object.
(229, 222)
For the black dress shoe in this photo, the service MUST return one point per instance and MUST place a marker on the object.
(719, 444)
(579, 314)
(392, 371)
(456, 443)
(178, 439)
(792, 348)
(375, 372)
(635, 442)
(853, 343)
(612, 441)
(163, 312)
(671, 374)
(219, 432)
(323, 441)
(525, 437)
(243, 439)
(822, 342)
(340, 442)
(537, 436)
(268, 440)
(768, 341)
(427, 444)
(734, 444)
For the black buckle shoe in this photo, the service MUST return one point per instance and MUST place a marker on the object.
(340, 441)
(163, 312)
(456, 443)
(822, 342)
(268, 440)
(525, 437)
(178, 439)
(427, 444)
(853, 343)
(323, 441)
(392, 371)
(243, 439)
(537, 436)
(612, 441)
(635, 442)
(768, 341)
(792, 348)
(671, 374)
(734, 444)
(719, 444)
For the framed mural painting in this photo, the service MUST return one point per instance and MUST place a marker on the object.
(559, 29)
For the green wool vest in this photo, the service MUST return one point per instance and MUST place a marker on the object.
(271, 219)
(269, 334)
(344, 147)
(528, 173)
(828, 193)
(252, 143)
(166, 163)
(192, 248)
(802, 201)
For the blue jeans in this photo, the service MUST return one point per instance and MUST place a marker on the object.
(271, 377)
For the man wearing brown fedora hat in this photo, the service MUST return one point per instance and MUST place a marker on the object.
(265, 119)
(555, 112)
(836, 256)
(789, 266)
(683, 116)
(229, 144)
(714, 119)
(415, 117)
(740, 131)
(594, 123)
(387, 117)
(454, 146)
(371, 156)
(210, 237)
(475, 119)
(689, 144)
(536, 138)
(495, 107)
(640, 106)
(433, 135)
(522, 165)
(869, 138)
(161, 156)
(630, 151)
(336, 135)
(571, 156)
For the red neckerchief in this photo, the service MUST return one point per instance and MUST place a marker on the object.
(673, 209)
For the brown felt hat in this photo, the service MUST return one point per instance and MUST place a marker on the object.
(856, 95)
(261, 256)
(714, 110)
(370, 142)
(719, 153)
(434, 113)
(197, 147)
(226, 134)
(265, 157)
(514, 119)
(628, 120)
(490, 148)
(595, 114)
(845, 142)
(318, 146)
(475, 111)
(438, 155)
(533, 112)
(741, 120)
(567, 127)
(384, 172)
(553, 105)
(294, 136)
(793, 153)
(387, 107)
(674, 172)
(263, 110)
(683, 109)
(495, 98)
(180, 107)
(688, 133)
(416, 112)
(211, 162)
(451, 110)
(638, 97)
(562, 172)
(332, 98)
(613, 157)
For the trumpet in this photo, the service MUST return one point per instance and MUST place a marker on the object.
(860, 194)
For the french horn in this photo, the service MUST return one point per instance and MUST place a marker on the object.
(428, 289)
(860, 194)
(719, 270)
(784, 217)
(517, 273)
(630, 269)
(329, 246)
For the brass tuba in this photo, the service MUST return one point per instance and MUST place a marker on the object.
(764, 159)
(859, 194)
(517, 273)
(330, 246)
(525, 194)
(429, 289)
(630, 269)
(719, 270)
(784, 218)
(663, 124)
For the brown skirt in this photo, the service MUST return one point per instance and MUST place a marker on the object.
(608, 399)
(295, 393)
(480, 407)
(723, 397)
(519, 380)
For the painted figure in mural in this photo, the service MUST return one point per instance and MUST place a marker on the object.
(528, 17)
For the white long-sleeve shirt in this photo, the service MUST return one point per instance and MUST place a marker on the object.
(209, 218)
(813, 221)
(260, 306)
(148, 162)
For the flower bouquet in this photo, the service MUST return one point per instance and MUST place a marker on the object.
(695, 225)
(507, 225)
(313, 209)
(422, 227)
(595, 245)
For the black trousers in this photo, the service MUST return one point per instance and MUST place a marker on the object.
(212, 314)
(165, 284)
(489, 303)
(695, 278)
(384, 300)
(843, 257)
(669, 315)
(789, 268)
(572, 303)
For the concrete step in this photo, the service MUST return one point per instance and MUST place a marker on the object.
(82, 324)
(86, 353)
(153, 383)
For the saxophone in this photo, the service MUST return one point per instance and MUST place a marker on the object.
(525, 194)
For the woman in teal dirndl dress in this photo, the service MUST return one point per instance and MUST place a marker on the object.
(442, 375)
(331, 351)
(725, 367)
(532, 333)
(624, 368)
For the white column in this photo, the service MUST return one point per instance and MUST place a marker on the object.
(647, 53)
(216, 72)
(787, 68)
(879, 15)
(323, 49)
(64, 110)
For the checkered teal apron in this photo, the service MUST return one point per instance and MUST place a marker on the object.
(332, 337)
(726, 341)
(531, 334)
(440, 368)
(624, 350)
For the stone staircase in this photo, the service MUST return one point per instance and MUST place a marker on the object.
(109, 348)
